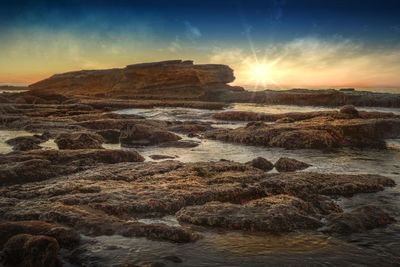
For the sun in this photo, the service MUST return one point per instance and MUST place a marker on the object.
(260, 74)
(260, 71)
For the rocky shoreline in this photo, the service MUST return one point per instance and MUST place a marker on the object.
(50, 198)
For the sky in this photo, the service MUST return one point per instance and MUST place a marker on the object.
(269, 43)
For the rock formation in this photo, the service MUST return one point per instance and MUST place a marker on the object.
(290, 165)
(174, 79)
(316, 133)
(79, 141)
(261, 163)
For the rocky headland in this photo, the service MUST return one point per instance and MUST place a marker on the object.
(178, 80)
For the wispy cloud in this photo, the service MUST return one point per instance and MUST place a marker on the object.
(175, 46)
(192, 32)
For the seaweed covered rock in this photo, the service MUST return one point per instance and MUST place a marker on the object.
(37, 165)
(31, 251)
(290, 165)
(79, 141)
(275, 214)
(349, 110)
(24, 143)
(316, 133)
(141, 135)
(359, 219)
(261, 163)
(66, 237)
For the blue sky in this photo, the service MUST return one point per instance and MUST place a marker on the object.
(43, 37)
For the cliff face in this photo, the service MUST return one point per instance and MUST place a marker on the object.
(167, 79)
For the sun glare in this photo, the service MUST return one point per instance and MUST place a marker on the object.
(260, 74)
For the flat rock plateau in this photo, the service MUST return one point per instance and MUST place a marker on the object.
(79, 174)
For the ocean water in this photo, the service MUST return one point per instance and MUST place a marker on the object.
(379, 247)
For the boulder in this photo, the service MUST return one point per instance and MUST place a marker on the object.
(110, 136)
(24, 143)
(261, 163)
(142, 135)
(349, 110)
(79, 141)
(290, 165)
(66, 237)
(180, 144)
(359, 219)
(158, 157)
(31, 251)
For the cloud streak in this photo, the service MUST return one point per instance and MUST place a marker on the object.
(192, 32)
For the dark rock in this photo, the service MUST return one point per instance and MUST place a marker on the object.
(29, 99)
(180, 144)
(158, 157)
(173, 258)
(25, 143)
(349, 110)
(141, 135)
(285, 120)
(190, 127)
(153, 264)
(261, 163)
(360, 219)
(32, 251)
(79, 141)
(110, 136)
(290, 165)
(66, 237)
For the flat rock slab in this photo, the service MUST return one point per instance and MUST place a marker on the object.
(37, 165)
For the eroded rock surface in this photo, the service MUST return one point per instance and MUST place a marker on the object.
(358, 220)
(25, 143)
(174, 79)
(31, 251)
(345, 112)
(275, 214)
(105, 199)
(261, 163)
(19, 167)
(66, 237)
(141, 135)
(79, 141)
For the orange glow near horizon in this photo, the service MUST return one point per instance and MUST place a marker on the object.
(306, 63)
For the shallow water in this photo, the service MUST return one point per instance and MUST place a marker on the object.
(5, 135)
(187, 114)
(12, 91)
(380, 247)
